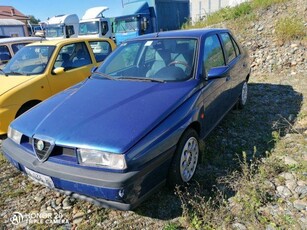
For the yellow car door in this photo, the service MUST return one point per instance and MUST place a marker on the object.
(72, 64)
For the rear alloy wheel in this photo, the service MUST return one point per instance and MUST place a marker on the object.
(243, 97)
(185, 160)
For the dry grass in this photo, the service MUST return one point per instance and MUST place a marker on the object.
(288, 28)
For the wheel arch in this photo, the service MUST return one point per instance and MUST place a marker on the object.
(27, 105)
(194, 125)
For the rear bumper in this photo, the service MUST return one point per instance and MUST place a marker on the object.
(123, 191)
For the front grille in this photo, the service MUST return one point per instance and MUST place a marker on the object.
(42, 148)
(64, 151)
(41, 153)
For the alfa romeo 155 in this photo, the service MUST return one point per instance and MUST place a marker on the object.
(136, 123)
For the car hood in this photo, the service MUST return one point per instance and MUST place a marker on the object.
(103, 114)
(8, 83)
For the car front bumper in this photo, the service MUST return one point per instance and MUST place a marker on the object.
(123, 191)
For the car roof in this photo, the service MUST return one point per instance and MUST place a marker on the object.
(56, 42)
(19, 39)
(195, 33)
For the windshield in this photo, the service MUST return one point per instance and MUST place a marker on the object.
(88, 28)
(157, 59)
(30, 60)
(126, 25)
(54, 31)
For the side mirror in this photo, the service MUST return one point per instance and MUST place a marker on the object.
(58, 70)
(93, 70)
(104, 28)
(67, 32)
(217, 72)
(144, 24)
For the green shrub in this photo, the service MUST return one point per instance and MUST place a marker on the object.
(289, 28)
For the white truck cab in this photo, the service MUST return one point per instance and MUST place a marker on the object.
(62, 26)
(94, 24)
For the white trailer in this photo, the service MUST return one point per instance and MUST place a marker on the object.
(94, 24)
(62, 26)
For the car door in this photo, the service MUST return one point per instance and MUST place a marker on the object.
(77, 63)
(235, 65)
(5, 54)
(215, 92)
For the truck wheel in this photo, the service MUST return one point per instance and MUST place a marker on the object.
(185, 160)
(243, 97)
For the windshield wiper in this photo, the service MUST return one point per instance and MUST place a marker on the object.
(104, 75)
(14, 73)
(142, 79)
(5, 74)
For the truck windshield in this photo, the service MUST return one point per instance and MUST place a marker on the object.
(126, 25)
(30, 60)
(158, 60)
(54, 31)
(88, 28)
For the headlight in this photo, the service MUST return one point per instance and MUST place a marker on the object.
(14, 135)
(100, 158)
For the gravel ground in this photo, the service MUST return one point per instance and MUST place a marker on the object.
(277, 103)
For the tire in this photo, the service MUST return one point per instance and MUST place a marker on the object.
(24, 109)
(243, 96)
(185, 159)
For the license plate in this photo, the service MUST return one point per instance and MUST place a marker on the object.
(40, 178)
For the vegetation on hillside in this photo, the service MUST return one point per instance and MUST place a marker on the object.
(286, 28)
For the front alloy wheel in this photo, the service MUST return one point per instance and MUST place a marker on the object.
(189, 158)
(185, 160)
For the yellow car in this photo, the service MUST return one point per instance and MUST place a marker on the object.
(42, 69)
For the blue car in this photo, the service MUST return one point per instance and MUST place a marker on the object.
(135, 124)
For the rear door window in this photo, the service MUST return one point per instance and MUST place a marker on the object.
(229, 47)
